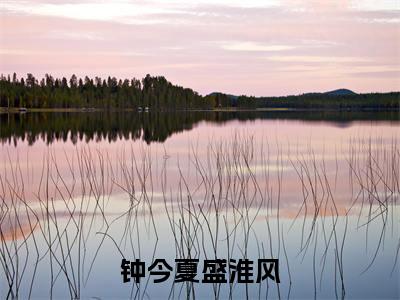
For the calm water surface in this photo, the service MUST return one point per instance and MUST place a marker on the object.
(318, 191)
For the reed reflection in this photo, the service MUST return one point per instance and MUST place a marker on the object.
(226, 193)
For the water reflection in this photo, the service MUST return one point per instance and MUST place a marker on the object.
(321, 198)
(152, 126)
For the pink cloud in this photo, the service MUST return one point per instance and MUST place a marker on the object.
(274, 49)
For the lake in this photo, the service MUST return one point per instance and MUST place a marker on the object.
(317, 190)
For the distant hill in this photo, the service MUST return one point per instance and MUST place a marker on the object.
(340, 92)
(232, 98)
(340, 99)
(228, 95)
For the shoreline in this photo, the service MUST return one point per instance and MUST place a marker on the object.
(227, 109)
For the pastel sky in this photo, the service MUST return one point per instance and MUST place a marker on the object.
(259, 47)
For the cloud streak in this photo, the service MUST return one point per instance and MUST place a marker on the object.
(260, 48)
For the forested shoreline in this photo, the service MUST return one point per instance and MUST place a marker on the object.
(158, 94)
(371, 101)
(109, 93)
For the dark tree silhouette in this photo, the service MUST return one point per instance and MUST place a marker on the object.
(158, 94)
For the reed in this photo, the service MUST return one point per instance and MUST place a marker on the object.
(214, 206)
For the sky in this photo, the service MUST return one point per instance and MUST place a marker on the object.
(259, 47)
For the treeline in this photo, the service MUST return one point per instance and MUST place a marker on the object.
(321, 101)
(111, 93)
(158, 94)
